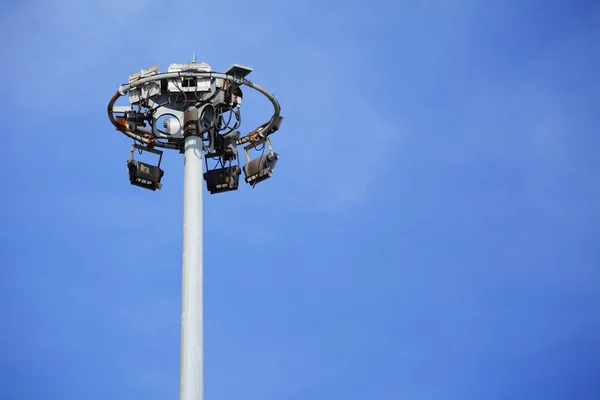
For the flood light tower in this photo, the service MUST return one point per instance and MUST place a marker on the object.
(200, 113)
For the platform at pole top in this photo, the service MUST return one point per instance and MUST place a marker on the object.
(201, 66)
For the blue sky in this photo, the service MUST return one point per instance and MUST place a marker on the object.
(431, 230)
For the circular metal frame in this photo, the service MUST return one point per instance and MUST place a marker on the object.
(261, 132)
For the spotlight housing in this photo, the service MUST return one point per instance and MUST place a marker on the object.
(261, 168)
(221, 180)
(142, 174)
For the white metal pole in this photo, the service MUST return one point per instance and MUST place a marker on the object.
(192, 314)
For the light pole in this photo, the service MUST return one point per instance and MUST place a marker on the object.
(196, 107)
(191, 383)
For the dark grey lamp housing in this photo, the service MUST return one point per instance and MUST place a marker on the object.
(221, 180)
(142, 174)
(260, 169)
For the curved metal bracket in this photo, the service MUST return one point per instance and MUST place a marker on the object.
(146, 135)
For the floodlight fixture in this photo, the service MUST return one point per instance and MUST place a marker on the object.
(221, 180)
(142, 174)
(261, 168)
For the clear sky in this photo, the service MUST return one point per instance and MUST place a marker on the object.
(431, 230)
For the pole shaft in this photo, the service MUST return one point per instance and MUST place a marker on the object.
(191, 385)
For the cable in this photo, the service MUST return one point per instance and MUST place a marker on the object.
(181, 90)
(262, 154)
(153, 110)
(237, 114)
(204, 101)
(228, 121)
